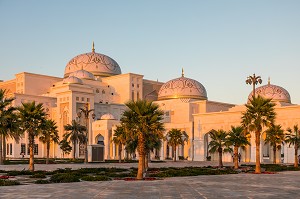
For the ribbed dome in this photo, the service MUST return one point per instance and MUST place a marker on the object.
(72, 80)
(96, 63)
(274, 92)
(83, 74)
(107, 116)
(182, 88)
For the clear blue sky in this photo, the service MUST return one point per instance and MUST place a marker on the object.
(219, 43)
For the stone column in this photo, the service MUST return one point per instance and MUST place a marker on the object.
(106, 145)
(162, 151)
(113, 151)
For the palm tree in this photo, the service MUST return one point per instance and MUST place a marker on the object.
(76, 134)
(65, 147)
(237, 138)
(142, 118)
(293, 137)
(49, 134)
(259, 113)
(275, 137)
(120, 139)
(32, 117)
(9, 126)
(219, 143)
(8, 123)
(153, 142)
(176, 137)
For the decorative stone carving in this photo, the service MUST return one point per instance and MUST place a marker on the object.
(182, 88)
(270, 91)
(96, 63)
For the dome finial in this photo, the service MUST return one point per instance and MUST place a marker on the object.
(269, 81)
(182, 73)
(93, 49)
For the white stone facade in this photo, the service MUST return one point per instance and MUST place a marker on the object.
(99, 83)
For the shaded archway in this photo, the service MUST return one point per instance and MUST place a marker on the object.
(265, 149)
(207, 154)
(99, 139)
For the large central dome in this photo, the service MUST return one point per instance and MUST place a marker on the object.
(182, 87)
(95, 63)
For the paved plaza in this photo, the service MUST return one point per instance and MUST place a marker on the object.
(280, 185)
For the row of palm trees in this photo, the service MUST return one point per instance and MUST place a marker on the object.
(222, 141)
(259, 115)
(31, 118)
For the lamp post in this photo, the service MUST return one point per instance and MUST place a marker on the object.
(254, 80)
(86, 113)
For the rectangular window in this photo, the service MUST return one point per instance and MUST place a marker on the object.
(77, 98)
(36, 149)
(137, 95)
(88, 99)
(23, 148)
(132, 95)
(7, 149)
(167, 113)
(28, 150)
(10, 148)
(82, 99)
(81, 149)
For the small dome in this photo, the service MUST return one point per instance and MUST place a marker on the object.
(96, 63)
(107, 116)
(182, 88)
(83, 74)
(274, 92)
(72, 80)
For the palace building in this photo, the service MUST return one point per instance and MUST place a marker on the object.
(95, 81)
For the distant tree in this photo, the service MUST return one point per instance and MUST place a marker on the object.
(75, 132)
(237, 138)
(49, 134)
(219, 143)
(275, 137)
(65, 147)
(176, 137)
(9, 125)
(120, 139)
(293, 137)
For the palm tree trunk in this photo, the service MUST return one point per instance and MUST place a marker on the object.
(1, 157)
(4, 147)
(235, 157)
(174, 153)
(120, 153)
(85, 151)
(220, 159)
(296, 155)
(31, 159)
(141, 145)
(146, 162)
(48, 150)
(274, 154)
(257, 150)
(74, 150)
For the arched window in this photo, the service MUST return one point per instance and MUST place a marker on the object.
(100, 139)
